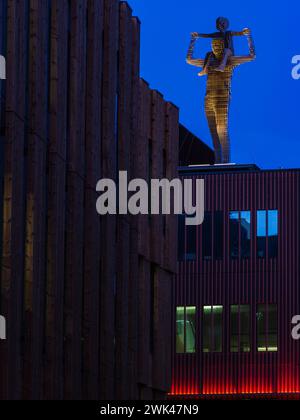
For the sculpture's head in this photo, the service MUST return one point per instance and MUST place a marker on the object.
(218, 48)
(222, 24)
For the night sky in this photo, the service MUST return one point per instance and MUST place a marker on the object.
(264, 113)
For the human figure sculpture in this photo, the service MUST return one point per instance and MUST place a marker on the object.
(218, 90)
(227, 36)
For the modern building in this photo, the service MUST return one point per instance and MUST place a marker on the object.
(238, 288)
(86, 298)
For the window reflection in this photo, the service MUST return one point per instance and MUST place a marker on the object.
(212, 329)
(261, 233)
(267, 233)
(240, 234)
(240, 328)
(234, 234)
(273, 233)
(185, 329)
(245, 223)
(267, 328)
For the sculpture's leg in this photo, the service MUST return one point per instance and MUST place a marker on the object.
(222, 109)
(227, 54)
(210, 104)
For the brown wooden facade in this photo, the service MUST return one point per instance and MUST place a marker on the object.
(86, 298)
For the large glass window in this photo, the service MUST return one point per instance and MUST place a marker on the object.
(267, 233)
(267, 328)
(186, 329)
(240, 328)
(240, 234)
(212, 329)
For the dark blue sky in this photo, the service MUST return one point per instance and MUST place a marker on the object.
(264, 116)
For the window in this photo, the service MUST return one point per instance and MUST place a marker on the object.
(261, 233)
(245, 225)
(267, 233)
(207, 236)
(186, 329)
(234, 234)
(218, 235)
(240, 329)
(212, 329)
(267, 327)
(187, 240)
(191, 241)
(212, 235)
(240, 234)
(181, 237)
(273, 233)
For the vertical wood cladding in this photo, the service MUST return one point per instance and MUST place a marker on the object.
(250, 281)
(87, 298)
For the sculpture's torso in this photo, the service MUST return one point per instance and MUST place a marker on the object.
(218, 83)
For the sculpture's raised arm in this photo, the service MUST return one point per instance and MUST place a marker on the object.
(198, 62)
(237, 60)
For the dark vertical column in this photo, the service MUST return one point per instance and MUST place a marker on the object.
(133, 298)
(123, 221)
(12, 269)
(157, 237)
(56, 200)
(157, 137)
(143, 158)
(35, 263)
(144, 362)
(75, 202)
(171, 146)
(108, 223)
(92, 233)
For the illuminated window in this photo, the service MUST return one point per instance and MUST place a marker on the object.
(240, 234)
(267, 328)
(186, 329)
(212, 329)
(267, 233)
(240, 328)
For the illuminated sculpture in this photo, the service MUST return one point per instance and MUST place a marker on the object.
(219, 66)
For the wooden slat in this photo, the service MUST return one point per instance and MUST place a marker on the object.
(75, 202)
(92, 233)
(108, 223)
(35, 262)
(56, 200)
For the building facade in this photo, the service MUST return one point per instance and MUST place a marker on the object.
(238, 288)
(86, 298)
